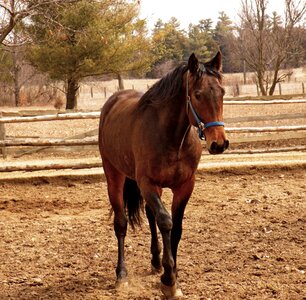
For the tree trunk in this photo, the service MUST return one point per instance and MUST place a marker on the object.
(71, 95)
(244, 72)
(16, 72)
(120, 82)
(261, 84)
(275, 78)
(272, 88)
(16, 89)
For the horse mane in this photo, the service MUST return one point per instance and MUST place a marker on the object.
(168, 88)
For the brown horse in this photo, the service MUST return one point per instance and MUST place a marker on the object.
(148, 142)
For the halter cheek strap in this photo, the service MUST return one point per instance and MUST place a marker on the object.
(200, 122)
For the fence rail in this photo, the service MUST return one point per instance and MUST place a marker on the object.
(55, 117)
(96, 114)
(265, 129)
(49, 142)
(252, 102)
(93, 140)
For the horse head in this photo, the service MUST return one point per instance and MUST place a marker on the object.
(204, 94)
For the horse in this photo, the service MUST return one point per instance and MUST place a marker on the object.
(153, 140)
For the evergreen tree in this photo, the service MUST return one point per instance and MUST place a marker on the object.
(88, 38)
(169, 42)
(201, 39)
(224, 37)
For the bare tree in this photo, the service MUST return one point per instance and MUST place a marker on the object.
(21, 72)
(12, 12)
(265, 43)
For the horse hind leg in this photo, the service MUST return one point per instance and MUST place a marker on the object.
(115, 183)
(120, 226)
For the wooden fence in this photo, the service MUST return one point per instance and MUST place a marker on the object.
(93, 140)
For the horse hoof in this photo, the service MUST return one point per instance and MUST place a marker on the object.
(121, 283)
(172, 292)
(155, 270)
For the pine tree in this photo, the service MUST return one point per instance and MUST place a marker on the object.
(88, 38)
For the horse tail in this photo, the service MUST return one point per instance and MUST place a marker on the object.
(133, 202)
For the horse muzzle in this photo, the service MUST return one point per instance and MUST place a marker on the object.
(218, 148)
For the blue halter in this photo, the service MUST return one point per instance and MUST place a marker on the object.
(201, 125)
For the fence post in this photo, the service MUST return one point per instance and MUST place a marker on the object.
(91, 92)
(280, 88)
(237, 89)
(104, 92)
(2, 137)
(303, 88)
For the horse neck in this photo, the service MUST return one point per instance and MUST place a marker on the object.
(175, 122)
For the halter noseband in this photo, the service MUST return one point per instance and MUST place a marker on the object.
(201, 125)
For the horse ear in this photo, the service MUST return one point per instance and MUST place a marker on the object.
(193, 63)
(216, 62)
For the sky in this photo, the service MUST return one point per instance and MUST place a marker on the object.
(191, 11)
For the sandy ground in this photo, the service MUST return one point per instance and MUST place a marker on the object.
(244, 238)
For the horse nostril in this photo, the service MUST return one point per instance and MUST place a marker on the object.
(226, 144)
(213, 147)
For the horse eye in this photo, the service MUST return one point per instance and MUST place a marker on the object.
(197, 95)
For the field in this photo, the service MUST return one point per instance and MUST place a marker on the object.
(244, 229)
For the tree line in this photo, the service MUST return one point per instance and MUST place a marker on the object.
(71, 40)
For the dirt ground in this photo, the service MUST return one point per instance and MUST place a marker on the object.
(244, 238)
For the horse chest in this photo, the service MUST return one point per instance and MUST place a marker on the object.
(171, 171)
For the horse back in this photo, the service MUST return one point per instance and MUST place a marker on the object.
(125, 98)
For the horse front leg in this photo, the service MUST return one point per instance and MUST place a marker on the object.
(163, 219)
(181, 196)
(155, 246)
